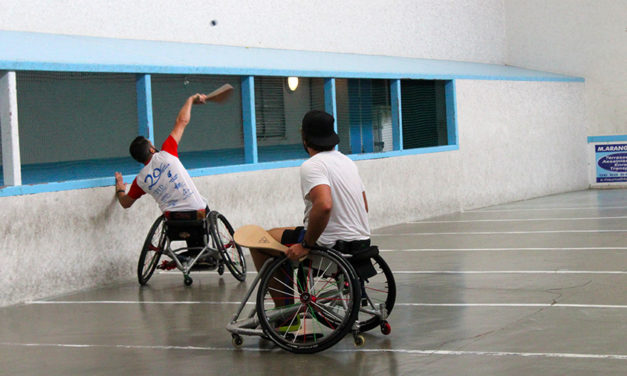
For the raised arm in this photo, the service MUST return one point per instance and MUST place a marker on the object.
(185, 115)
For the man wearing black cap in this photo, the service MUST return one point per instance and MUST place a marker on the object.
(336, 208)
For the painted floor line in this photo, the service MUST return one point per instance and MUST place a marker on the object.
(498, 232)
(547, 208)
(518, 220)
(399, 351)
(508, 305)
(509, 272)
(505, 249)
(514, 305)
(562, 271)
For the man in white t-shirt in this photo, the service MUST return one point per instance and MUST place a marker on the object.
(336, 209)
(163, 175)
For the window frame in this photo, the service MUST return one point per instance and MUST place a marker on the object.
(60, 53)
(249, 129)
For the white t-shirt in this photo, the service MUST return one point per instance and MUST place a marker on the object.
(167, 181)
(349, 219)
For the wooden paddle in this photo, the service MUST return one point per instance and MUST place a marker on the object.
(253, 236)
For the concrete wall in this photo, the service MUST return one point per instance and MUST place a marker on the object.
(577, 37)
(517, 139)
(469, 30)
(514, 144)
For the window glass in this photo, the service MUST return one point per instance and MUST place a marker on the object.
(278, 114)
(75, 125)
(423, 106)
(214, 135)
(364, 115)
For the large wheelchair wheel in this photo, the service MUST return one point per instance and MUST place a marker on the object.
(231, 253)
(151, 251)
(379, 289)
(310, 305)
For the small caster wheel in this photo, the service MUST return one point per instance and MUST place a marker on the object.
(188, 281)
(386, 328)
(237, 341)
(221, 269)
(359, 340)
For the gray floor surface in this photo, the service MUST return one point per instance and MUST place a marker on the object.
(534, 287)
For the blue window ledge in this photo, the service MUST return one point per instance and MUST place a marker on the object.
(100, 173)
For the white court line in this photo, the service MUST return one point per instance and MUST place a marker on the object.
(400, 351)
(504, 249)
(546, 208)
(520, 220)
(515, 305)
(496, 305)
(497, 232)
(509, 272)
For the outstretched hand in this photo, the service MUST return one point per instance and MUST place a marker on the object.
(119, 182)
(200, 98)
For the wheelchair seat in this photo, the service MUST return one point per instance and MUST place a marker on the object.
(209, 245)
(188, 225)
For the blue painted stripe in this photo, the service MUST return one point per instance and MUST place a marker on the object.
(196, 172)
(144, 107)
(330, 104)
(49, 52)
(622, 137)
(397, 114)
(354, 116)
(451, 113)
(249, 120)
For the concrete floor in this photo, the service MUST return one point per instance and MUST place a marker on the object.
(528, 288)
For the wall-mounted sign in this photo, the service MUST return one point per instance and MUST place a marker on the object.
(611, 163)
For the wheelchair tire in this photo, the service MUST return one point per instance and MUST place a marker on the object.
(380, 289)
(321, 287)
(151, 251)
(231, 253)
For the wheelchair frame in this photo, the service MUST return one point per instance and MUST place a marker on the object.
(214, 227)
(362, 313)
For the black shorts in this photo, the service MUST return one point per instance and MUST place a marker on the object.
(294, 236)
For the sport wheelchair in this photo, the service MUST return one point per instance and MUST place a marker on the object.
(208, 235)
(309, 305)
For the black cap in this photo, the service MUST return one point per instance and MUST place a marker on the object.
(318, 129)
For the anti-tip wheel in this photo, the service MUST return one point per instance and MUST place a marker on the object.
(237, 341)
(386, 328)
(359, 340)
(188, 281)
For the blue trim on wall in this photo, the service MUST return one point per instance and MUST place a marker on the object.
(354, 118)
(330, 104)
(614, 138)
(196, 172)
(249, 120)
(451, 113)
(144, 107)
(397, 116)
(50, 52)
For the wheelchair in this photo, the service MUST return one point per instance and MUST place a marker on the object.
(209, 237)
(309, 305)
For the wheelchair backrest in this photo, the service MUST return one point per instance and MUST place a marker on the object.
(186, 225)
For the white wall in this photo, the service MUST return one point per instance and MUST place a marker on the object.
(517, 139)
(469, 30)
(515, 144)
(577, 37)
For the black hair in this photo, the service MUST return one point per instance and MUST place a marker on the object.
(313, 145)
(320, 148)
(140, 149)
